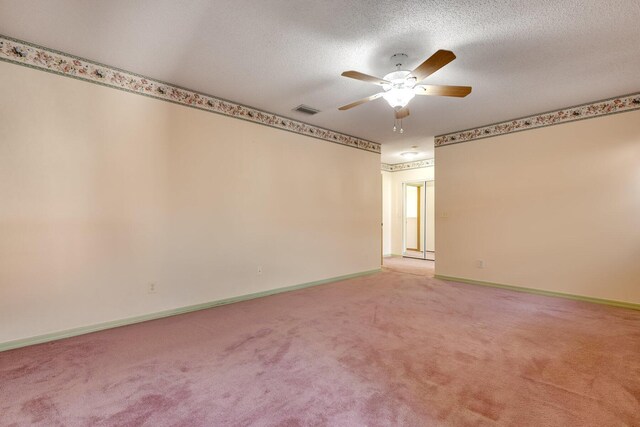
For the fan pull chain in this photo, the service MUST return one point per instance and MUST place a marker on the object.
(395, 125)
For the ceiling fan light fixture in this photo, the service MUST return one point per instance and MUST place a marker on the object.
(399, 91)
(398, 97)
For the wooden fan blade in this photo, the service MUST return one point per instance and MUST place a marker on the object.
(433, 64)
(362, 101)
(458, 91)
(365, 77)
(402, 113)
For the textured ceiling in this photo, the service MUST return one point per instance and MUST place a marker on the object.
(521, 57)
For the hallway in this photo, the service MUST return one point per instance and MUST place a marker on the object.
(415, 266)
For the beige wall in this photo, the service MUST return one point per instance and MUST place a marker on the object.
(103, 192)
(392, 206)
(556, 208)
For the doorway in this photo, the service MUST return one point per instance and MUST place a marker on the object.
(418, 237)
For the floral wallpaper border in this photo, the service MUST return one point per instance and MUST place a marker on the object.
(416, 164)
(30, 55)
(580, 112)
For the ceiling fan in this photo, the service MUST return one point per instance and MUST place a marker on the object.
(399, 87)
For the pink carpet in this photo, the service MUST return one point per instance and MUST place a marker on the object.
(422, 267)
(384, 350)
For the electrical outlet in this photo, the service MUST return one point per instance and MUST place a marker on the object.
(480, 263)
(259, 269)
(152, 288)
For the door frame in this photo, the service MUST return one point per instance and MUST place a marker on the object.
(422, 220)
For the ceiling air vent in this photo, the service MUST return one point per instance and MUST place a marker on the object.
(305, 109)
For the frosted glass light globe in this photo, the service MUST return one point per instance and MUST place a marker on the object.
(400, 91)
(399, 98)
